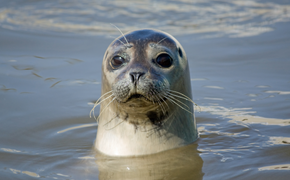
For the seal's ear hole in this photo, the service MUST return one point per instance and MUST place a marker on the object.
(180, 52)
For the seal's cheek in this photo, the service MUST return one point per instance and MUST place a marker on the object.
(109, 78)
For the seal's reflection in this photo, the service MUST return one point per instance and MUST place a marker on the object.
(181, 163)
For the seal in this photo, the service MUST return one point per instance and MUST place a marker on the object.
(146, 105)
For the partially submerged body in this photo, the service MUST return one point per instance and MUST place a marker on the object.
(146, 104)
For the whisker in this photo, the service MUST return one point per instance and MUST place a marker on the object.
(151, 96)
(104, 95)
(115, 126)
(184, 97)
(158, 96)
(178, 105)
(187, 98)
(159, 102)
(118, 40)
(122, 42)
(105, 108)
(155, 98)
(160, 105)
(171, 96)
(161, 40)
(99, 101)
(128, 45)
(164, 94)
(168, 120)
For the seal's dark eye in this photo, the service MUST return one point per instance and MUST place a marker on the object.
(164, 60)
(117, 61)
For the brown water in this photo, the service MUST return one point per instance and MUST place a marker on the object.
(50, 75)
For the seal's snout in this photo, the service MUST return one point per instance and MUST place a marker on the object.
(135, 76)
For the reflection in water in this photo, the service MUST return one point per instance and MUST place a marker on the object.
(243, 115)
(181, 163)
(55, 84)
(77, 127)
(4, 88)
(10, 150)
(279, 92)
(32, 174)
(276, 167)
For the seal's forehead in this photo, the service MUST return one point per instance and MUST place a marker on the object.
(146, 36)
(145, 33)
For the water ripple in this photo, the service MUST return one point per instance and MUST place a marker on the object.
(218, 18)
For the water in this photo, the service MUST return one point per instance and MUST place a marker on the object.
(50, 75)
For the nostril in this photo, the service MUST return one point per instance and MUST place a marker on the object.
(132, 77)
(135, 76)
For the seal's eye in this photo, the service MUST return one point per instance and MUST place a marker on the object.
(117, 61)
(164, 60)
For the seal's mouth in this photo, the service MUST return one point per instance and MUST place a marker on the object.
(137, 96)
(142, 97)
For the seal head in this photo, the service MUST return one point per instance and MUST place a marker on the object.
(147, 90)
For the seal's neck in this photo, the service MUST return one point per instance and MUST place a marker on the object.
(121, 135)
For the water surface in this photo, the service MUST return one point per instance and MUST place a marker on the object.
(50, 76)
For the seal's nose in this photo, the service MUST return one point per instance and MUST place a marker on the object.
(135, 76)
